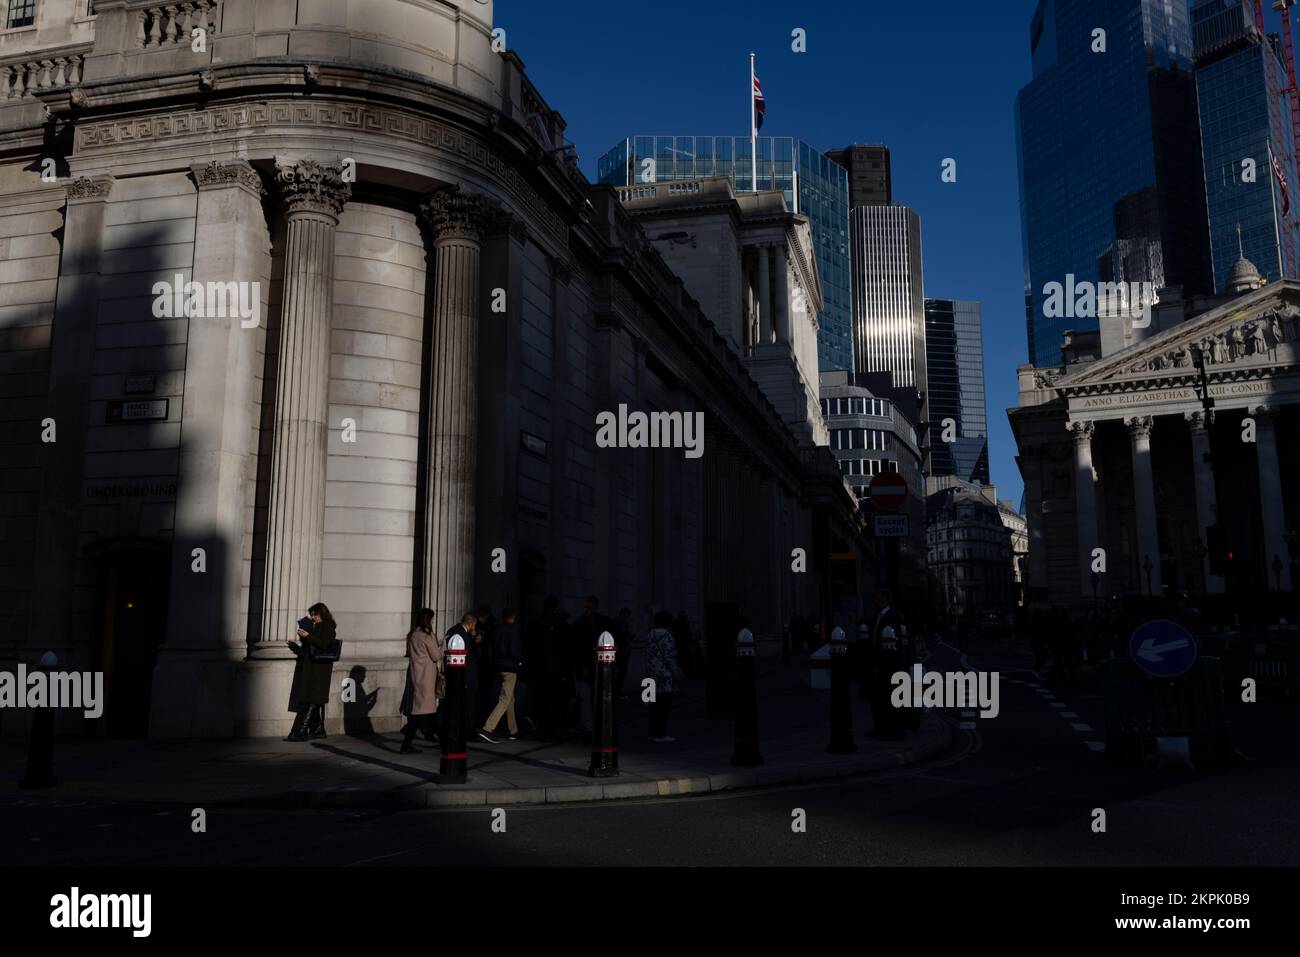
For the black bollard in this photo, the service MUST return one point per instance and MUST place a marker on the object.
(746, 750)
(604, 750)
(841, 704)
(454, 766)
(40, 746)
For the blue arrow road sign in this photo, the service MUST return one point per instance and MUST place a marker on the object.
(1163, 648)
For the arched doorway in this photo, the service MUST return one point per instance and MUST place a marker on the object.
(134, 588)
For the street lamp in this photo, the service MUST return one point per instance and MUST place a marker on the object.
(1147, 566)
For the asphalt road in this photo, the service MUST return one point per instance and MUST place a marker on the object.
(1018, 789)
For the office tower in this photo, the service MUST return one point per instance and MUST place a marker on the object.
(888, 294)
(1111, 182)
(870, 178)
(954, 348)
(1245, 126)
(813, 185)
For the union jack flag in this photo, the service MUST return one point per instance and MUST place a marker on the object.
(760, 106)
(1281, 182)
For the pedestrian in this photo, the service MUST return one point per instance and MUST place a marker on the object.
(582, 657)
(425, 679)
(886, 656)
(687, 651)
(467, 630)
(623, 642)
(550, 642)
(662, 669)
(311, 681)
(507, 662)
(487, 626)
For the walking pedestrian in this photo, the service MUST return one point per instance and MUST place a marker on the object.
(886, 658)
(582, 657)
(310, 691)
(623, 642)
(425, 652)
(507, 661)
(662, 669)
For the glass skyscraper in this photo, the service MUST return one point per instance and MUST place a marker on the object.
(813, 185)
(1111, 181)
(954, 347)
(1245, 122)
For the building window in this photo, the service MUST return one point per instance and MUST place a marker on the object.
(22, 13)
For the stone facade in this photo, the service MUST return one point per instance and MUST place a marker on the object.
(439, 306)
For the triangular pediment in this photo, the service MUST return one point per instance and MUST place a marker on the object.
(1242, 338)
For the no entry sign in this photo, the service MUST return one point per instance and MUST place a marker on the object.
(888, 490)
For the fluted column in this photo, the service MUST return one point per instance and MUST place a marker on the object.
(1270, 499)
(314, 196)
(782, 314)
(456, 221)
(1199, 424)
(764, 296)
(1144, 502)
(1085, 501)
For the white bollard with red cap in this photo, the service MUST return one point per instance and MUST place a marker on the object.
(454, 766)
(604, 747)
(746, 751)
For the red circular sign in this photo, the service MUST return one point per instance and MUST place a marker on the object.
(888, 491)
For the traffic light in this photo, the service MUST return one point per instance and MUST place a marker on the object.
(1217, 544)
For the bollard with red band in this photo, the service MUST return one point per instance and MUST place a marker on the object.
(454, 766)
(746, 750)
(40, 747)
(841, 704)
(604, 748)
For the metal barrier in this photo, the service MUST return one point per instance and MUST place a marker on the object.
(1140, 709)
(1275, 666)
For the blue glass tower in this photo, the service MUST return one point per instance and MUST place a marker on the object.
(1240, 77)
(813, 185)
(1111, 182)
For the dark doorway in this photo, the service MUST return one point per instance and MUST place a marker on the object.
(134, 589)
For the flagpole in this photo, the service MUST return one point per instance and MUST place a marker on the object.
(753, 129)
(1272, 192)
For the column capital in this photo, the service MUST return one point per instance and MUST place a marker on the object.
(311, 187)
(1082, 430)
(452, 214)
(1200, 420)
(90, 189)
(217, 175)
(1263, 412)
(1139, 426)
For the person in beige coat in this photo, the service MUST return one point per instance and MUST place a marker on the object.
(425, 648)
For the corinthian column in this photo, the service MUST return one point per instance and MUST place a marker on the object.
(1085, 500)
(1199, 423)
(1277, 559)
(1144, 502)
(456, 222)
(314, 196)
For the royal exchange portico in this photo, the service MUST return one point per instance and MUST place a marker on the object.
(1140, 452)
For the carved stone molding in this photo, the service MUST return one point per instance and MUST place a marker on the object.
(90, 188)
(449, 142)
(309, 186)
(453, 214)
(217, 175)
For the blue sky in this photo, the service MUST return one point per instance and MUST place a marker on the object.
(930, 82)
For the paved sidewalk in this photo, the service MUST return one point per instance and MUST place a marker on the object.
(368, 771)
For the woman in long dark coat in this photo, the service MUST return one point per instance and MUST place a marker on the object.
(311, 683)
